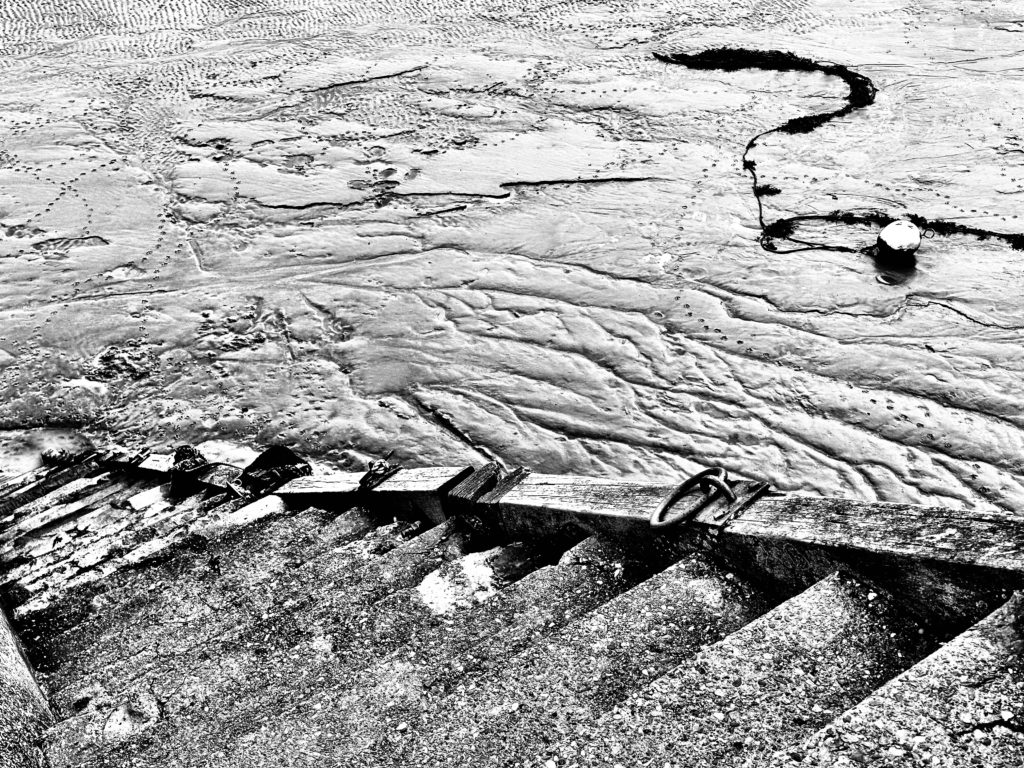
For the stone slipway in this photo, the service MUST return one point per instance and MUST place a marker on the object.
(458, 617)
(24, 711)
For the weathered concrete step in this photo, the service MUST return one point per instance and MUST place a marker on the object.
(56, 505)
(16, 494)
(961, 706)
(509, 711)
(767, 684)
(24, 713)
(140, 616)
(35, 546)
(135, 524)
(10, 484)
(237, 651)
(435, 634)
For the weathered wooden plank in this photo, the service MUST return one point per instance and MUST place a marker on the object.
(464, 496)
(158, 462)
(418, 491)
(548, 503)
(952, 562)
(424, 479)
(990, 539)
(335, 483)
(421, 490)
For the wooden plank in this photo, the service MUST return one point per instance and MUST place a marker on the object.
(463, 497)
(333, 483)
(951, 562)
(424, 479)
(418, 491)
(158, 462)
(987, 539)
(980, 539)
(548, 503)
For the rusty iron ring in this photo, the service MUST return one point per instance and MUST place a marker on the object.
(712, 481)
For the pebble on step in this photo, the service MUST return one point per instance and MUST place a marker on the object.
(961, 706)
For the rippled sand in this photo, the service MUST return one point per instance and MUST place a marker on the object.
(472, 230)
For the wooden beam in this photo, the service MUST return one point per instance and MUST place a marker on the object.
(945, 559)
(333, 483)
(549, 503)
(462, 499)
(418, 491)
(157, 462)
(981, 539)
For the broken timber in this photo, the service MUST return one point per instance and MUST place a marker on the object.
(915, 544)
(946, 559)
(938, 554)
(943, 556)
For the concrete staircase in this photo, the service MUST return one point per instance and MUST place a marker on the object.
(415, 621)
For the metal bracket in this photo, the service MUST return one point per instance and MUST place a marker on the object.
(746, 494)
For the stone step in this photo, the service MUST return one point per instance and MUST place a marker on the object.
(140, 616)
(961, 706)
(11, 483)
(253, 615)
(24, 713)
(510, 709)
(35, 548)
(107, 539)
(423, 639)
(60, 503)
(778, 678)
(17, 493)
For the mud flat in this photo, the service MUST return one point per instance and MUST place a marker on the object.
(464, 231)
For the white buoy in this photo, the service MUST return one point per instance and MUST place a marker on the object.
(900, 238)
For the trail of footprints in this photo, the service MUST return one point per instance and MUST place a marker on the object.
(168, 78)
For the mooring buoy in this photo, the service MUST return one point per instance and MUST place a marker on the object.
(899, 240)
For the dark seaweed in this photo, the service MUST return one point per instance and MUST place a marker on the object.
(861, 94)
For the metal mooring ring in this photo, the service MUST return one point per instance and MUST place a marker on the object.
(712, 481)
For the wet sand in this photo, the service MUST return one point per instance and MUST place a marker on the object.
(464, 231)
